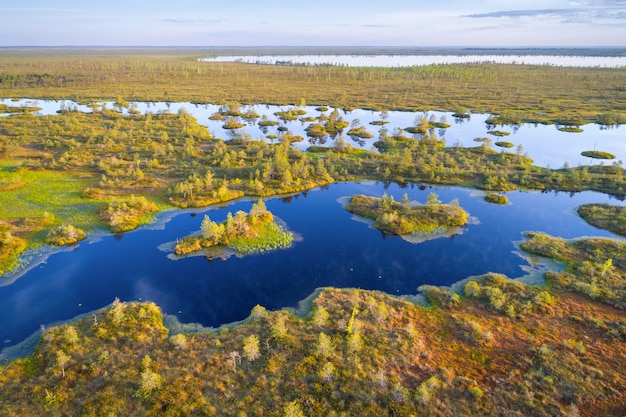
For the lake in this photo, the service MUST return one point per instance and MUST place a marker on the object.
(545, 144)
(419, 60)
(335, 250)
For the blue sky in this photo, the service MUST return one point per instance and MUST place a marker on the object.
(322, 22)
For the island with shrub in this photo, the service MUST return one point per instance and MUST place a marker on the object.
(405, 218)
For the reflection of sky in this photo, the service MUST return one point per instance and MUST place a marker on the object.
(545, 144)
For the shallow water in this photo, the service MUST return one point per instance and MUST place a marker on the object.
(335, 251)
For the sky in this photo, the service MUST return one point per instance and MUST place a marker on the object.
(478, 23)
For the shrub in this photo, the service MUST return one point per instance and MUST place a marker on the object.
(65, 235)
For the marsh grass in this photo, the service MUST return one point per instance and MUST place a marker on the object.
(57, 193)
(516, 92)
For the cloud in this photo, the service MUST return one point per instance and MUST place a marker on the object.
(578, 15)
(39, 9)
(598, 3)
(187, 21)
(522, 13)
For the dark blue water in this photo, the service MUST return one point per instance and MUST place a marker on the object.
(335, 251)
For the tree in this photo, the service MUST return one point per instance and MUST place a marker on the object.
(433, 199)
(320, 316)
(62, 361)
(293, 409)
(211, 231)
(251, 348)
(324, 345)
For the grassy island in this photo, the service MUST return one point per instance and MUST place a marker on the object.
(605, 216)
(495, 198)
(405, 218)
(598, 154)
(245, 233)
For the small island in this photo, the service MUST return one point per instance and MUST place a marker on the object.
(245, 233)
(495, 198)
(419, 222)
(598, 154)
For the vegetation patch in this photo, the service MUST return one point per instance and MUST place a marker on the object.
(231, 123)
(360, 132)
(594, 267)
(598, 154)
(406, 218)
(503, 144)
(11, 247)
(509, 297)
(124, 215)
(253, 232)
(605, 216)
(64, 235)
(496, 198)
(571, 129)
(498, 133)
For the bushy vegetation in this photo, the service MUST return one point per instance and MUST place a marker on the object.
(496, 198)
(571, 129)
(598, 154)
(594, 267)
(404, 218)
(356, 353)
(509, 297)
(11, 247)
(502, 144)
(125, 215)
(65, 234)
(244, 232)
(605, 216)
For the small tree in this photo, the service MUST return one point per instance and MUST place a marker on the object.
(62, 360)
(432, 199)
(320, 316)
(251, 348)
(293, 409)
(324, 345)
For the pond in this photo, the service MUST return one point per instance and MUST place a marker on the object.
(335, 250)
(545, 144)
(419, 60)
